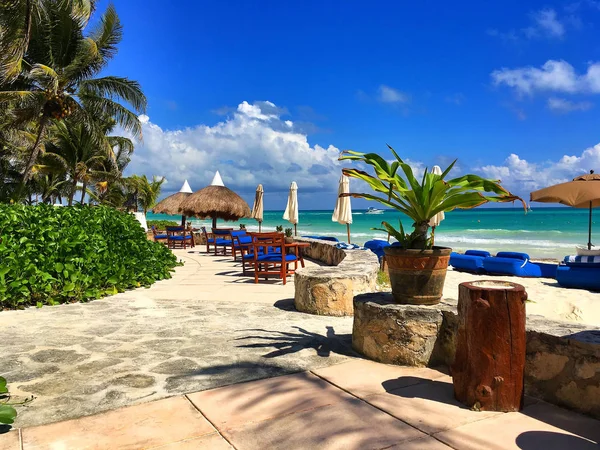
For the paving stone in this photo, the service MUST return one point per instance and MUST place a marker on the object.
(10, 440)
(135, 380)
(58, 356)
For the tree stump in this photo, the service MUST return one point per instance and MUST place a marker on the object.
(490, 346)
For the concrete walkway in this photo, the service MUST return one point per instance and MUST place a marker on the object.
(206, 327)
(353, 405)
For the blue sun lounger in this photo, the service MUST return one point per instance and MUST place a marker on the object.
(581, 272)
(471, 261)
(512, 263)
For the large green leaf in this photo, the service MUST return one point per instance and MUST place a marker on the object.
(7, 414)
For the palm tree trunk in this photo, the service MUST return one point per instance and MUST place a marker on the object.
(83, 189)
(34, 152)
(72, 193)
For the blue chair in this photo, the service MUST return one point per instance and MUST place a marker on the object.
(581, 272)
(159, 237)
(377, 246)
(275, 261)
(471, 261)
(179, 237)
(240, 241)
(512, 263)
(222, 239)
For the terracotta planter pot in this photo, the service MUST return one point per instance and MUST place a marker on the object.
(417, 276)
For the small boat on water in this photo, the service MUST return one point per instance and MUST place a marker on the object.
(372, 210)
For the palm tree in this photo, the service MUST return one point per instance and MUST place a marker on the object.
(58, 77)
(149, 191)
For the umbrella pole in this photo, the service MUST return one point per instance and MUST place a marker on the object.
(295, 230)
(259, 226)
(348, 229)
(214, 224)
(432, 236)
(590, 229)
(182, 220)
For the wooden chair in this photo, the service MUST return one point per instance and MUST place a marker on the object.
(221, 239)
(209, 237)
(162, 238)
(240, 240)
(270, 256)
(179, 237)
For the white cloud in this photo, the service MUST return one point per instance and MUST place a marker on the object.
(553, 76)
(253, 145)
(562, 105)
(521, 176)
(545, 23)
(388, 94)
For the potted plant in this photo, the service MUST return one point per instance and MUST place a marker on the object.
(289, 233)
(416, 267)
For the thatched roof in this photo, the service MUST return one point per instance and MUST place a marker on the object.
(171, 204)
(215, 201)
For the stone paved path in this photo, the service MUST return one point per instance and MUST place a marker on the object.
(206, 327)
(355, 405)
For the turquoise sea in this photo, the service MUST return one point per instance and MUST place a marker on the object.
(542, 232)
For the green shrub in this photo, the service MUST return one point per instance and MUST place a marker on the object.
(162, 224)
(53, 255)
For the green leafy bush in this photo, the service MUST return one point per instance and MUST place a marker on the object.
(163, 224)
(53, 255)
(7, 412)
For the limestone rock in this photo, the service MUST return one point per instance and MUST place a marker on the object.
(545, 366)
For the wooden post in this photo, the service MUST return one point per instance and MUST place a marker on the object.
(490, 346)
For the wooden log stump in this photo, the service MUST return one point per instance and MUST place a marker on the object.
(490, 346)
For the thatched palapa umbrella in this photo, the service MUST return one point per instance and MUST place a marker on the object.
(215, 202)
(172, 204)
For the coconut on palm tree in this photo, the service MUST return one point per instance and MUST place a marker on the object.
(58, 74)
(417, 268)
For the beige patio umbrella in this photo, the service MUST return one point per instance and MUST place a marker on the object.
(257, 207)
(437, 219)
(342, 213)
(291, 210)
(582, 192)
(172, 204)
(215, 202)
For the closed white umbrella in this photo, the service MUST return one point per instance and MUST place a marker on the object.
(437, 219)
(257, 207)
(291, 210)
(342, 213)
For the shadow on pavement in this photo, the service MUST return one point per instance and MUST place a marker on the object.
(548, 440)
(285, 343)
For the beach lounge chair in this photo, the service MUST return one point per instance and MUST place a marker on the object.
(269, 256)
(581, 272)
(179, 237)
(471, 261)
(323, 238)
(210, 239)
(377, 246)
(511, 263)
(162, 237)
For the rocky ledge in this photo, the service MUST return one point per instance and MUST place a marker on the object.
(329, 289)
(563, 359)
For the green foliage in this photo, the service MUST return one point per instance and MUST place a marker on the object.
(396, 187)
(7, 412)
(383, 278)
(289, 232)
(162, 224)
(279, 228)
(54, 255)
(242, 226)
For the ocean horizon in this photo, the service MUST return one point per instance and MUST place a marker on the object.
(545, 232)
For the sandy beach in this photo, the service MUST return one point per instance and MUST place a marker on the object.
(546, 297)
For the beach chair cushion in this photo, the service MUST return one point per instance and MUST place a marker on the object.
(180, 238)
(513, 264)
(160, 236)
(276, 257)
(377, 246)
(584, 261)
(481, 253)
(578, 277)
(471, 262)
(513, 255)
(243, 241)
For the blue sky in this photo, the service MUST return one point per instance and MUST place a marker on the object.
(509, 88)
